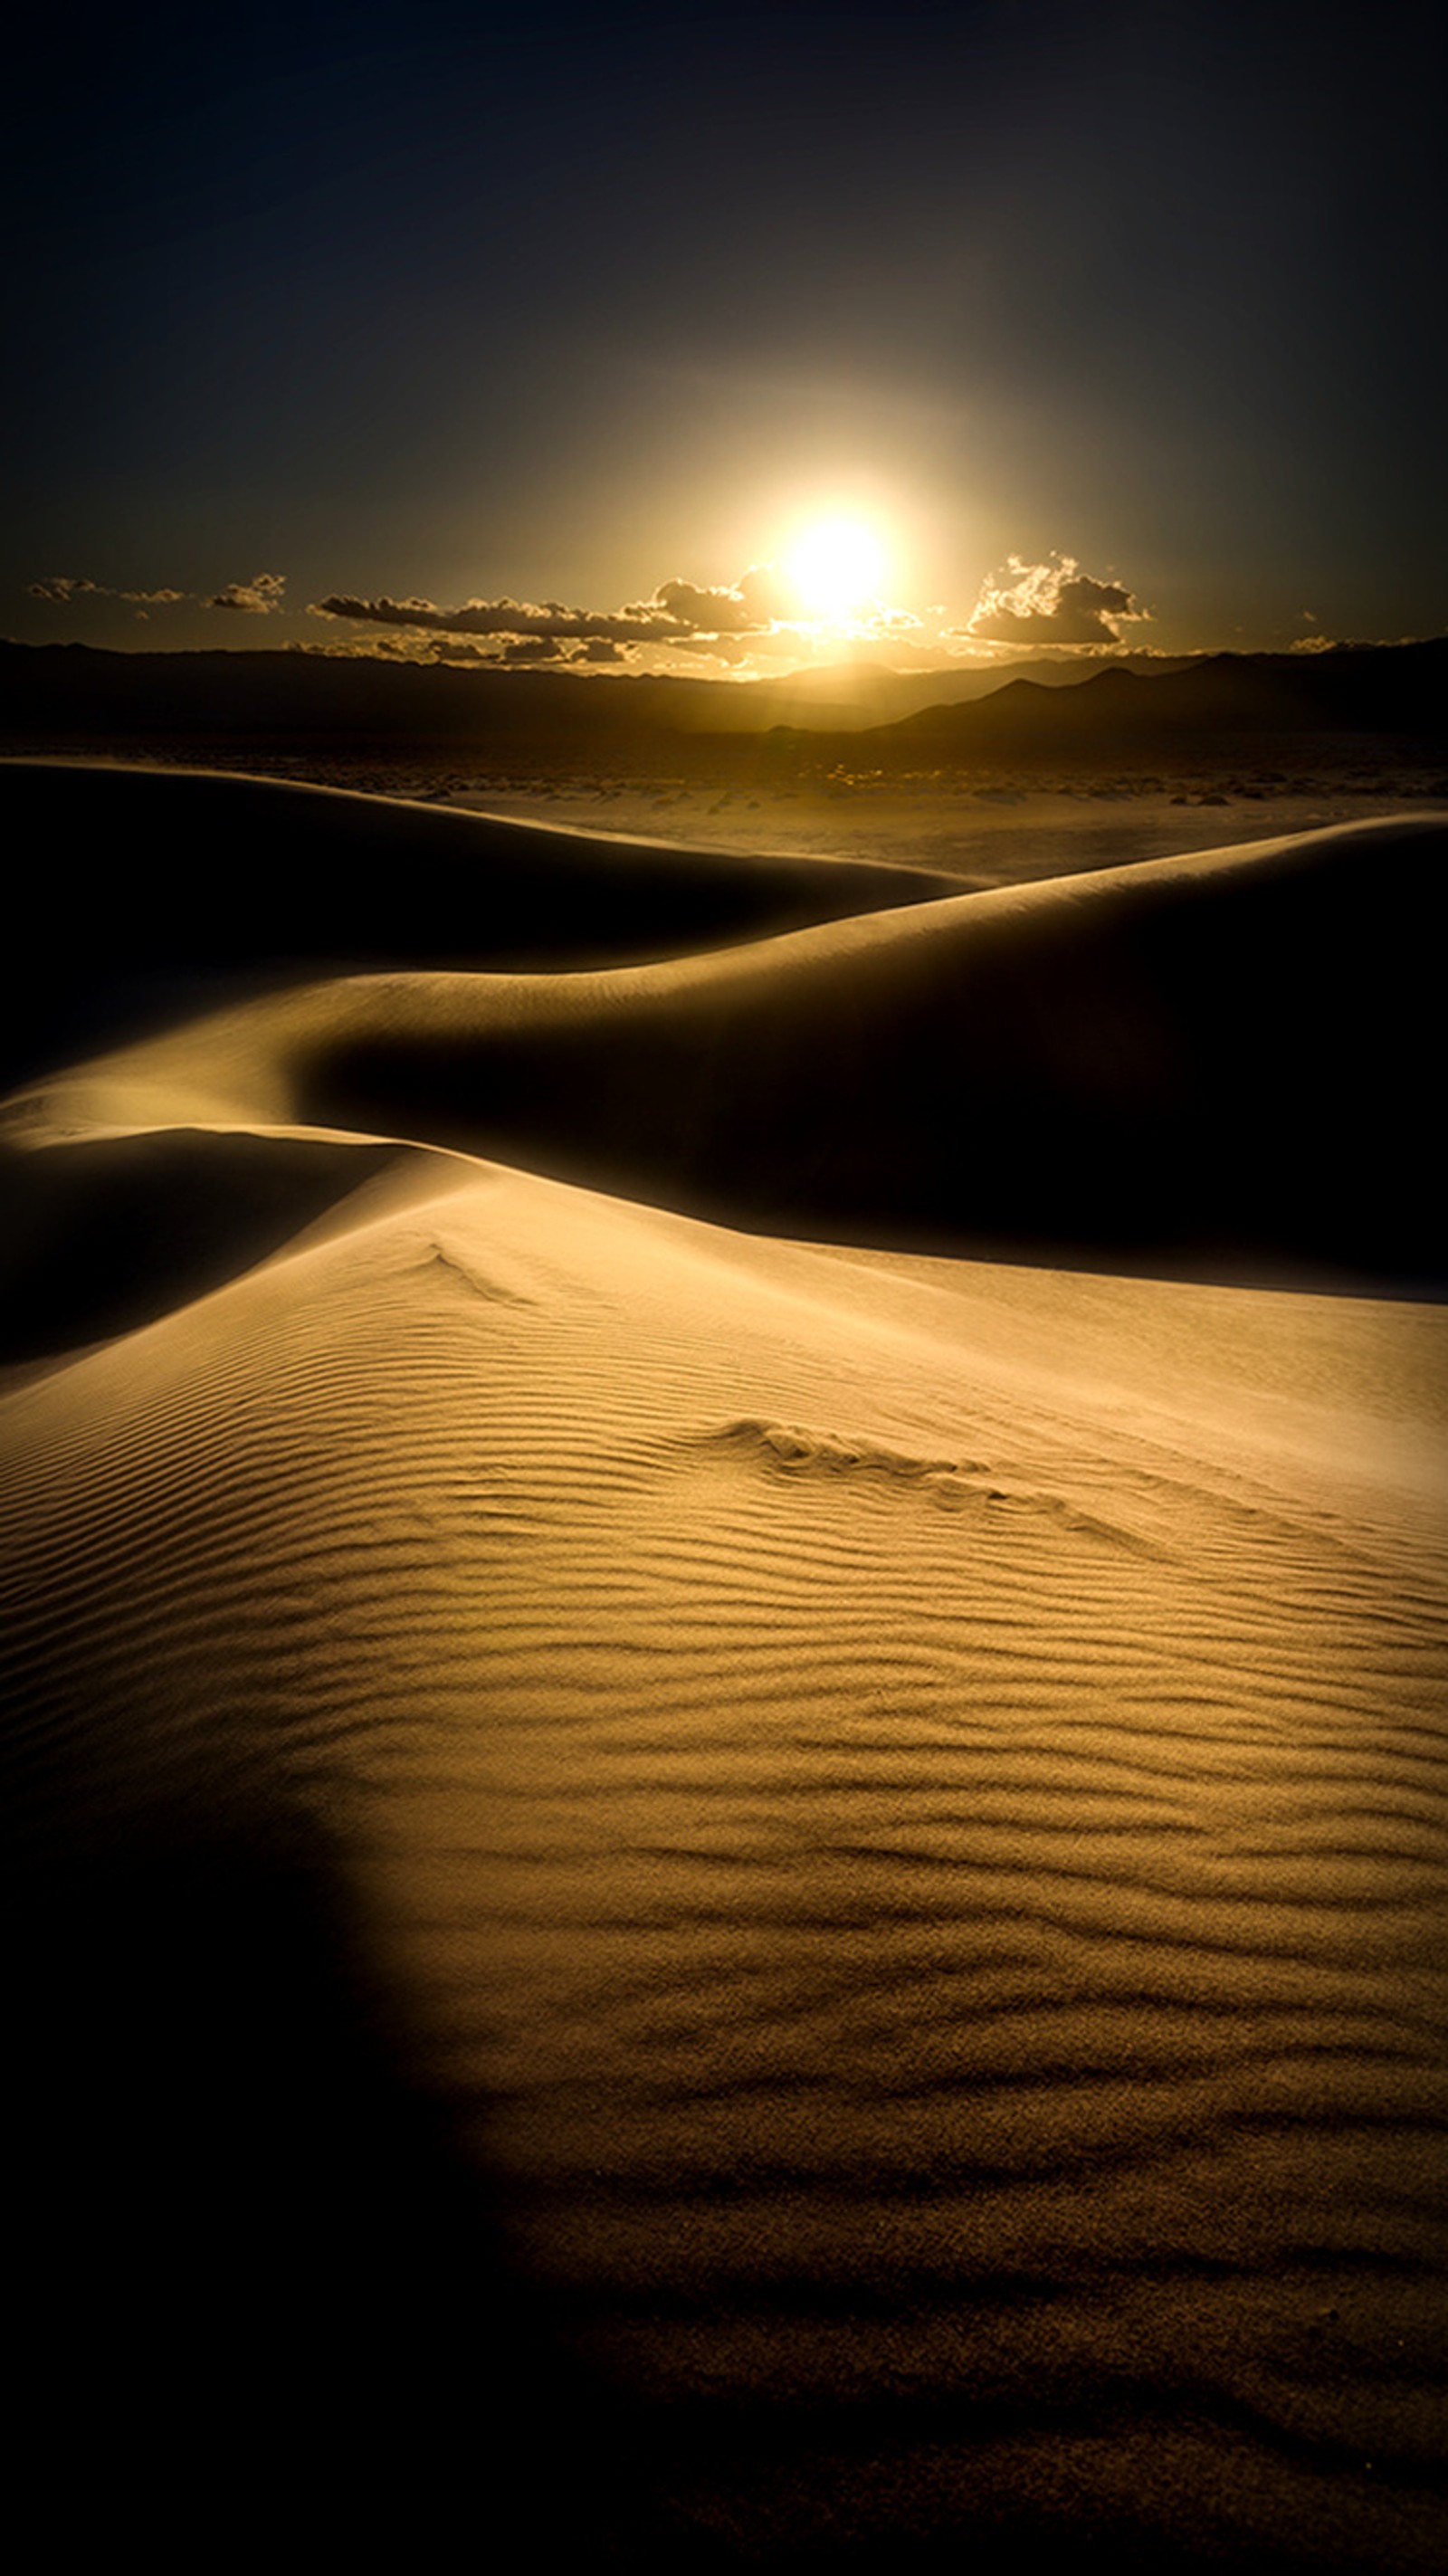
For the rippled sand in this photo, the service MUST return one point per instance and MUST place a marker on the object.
(775, 1904)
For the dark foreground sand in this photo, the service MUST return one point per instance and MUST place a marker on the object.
(765, 1904)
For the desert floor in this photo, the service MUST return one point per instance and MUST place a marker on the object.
(998, 832)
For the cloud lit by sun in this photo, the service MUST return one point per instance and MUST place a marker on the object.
(819, 592)
(835, 568)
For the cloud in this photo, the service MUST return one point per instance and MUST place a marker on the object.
(546, 650)
(376, 648)
(679, 612)
(1048, 603)
(64, 587)
(756, 601)
(526, 652)
(258, 597)
(731, 648)
(516, 618)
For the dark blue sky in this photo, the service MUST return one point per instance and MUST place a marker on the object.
(423, 302)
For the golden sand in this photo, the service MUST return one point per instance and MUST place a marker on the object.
(887, 1811)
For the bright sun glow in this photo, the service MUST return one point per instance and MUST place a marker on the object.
(835, 567)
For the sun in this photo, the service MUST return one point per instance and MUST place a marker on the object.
(835, 567)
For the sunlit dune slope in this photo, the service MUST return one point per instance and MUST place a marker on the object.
(748, 1905)
(900, 1816)
(1222, 1058)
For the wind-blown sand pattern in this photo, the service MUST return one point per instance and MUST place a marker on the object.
(784, 1902)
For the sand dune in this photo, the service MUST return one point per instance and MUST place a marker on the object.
(313, 880)
(1197, 1057)
(775, 1904)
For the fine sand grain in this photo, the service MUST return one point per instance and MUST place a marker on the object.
(771, 1904)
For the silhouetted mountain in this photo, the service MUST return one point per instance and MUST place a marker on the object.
(60, 696)
(1399, 690)
(75, 686)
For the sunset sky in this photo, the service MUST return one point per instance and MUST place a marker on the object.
(555, 335)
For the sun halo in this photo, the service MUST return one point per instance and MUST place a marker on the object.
(834, 566)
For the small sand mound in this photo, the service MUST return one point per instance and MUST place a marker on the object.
(785, 1445)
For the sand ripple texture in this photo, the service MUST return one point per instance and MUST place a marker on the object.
(901, 1810)
(735, 1905)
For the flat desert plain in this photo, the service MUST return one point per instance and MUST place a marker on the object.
(725, 1664)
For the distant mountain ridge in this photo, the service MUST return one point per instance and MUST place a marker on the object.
(1397, 689)
(59, 696)
(88, 683)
